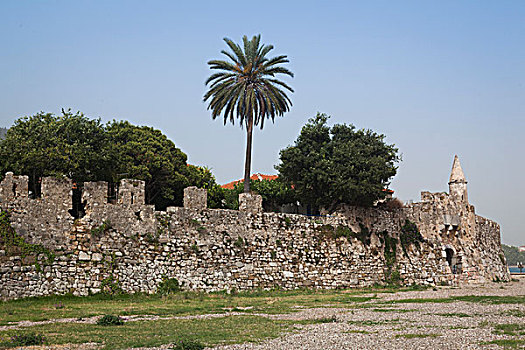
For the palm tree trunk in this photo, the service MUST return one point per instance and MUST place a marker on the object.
(248, 160)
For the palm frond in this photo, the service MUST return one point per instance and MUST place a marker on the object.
(236, 50)
(246, 87)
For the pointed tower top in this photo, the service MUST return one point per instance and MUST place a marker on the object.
(457, 173)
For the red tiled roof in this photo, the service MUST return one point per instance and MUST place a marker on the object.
(231, 185)
(259, 176)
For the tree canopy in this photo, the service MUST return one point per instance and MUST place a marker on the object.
(144, 153)
(3, 131)
(246, 88)
(45, 144)
(328, 166)
(86, 150)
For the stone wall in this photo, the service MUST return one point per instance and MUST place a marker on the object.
(131, 245)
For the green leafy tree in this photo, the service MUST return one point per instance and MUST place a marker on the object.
(145, 153)
(330, 166)
(85, 150)
(246, 88)
(45, 145)
(3, 132)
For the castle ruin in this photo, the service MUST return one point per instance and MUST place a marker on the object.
(126, 244)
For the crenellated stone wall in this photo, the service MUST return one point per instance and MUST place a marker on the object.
(131, 245)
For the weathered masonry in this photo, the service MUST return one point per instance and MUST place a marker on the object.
(129, 245)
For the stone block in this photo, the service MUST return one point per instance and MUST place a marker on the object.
(57, 190)
(195, 198)
(94, 194)
(131, 192)
(251, 203)
(97, 257)
(83, 256)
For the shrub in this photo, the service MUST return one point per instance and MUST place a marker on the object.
(187, 345)
(110, 320)
(410, 234)
(27, 339)
(101, 229)
(111, 286)
(239, 243)
(168, 286)
(394, 278)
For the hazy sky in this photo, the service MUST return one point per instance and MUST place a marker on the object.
(438, 78)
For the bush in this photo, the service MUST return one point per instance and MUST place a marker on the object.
(187, 345)
(410, 234)
(110, 320)
(110, 286)
(101, 229)
(168, 286)
(394, 278)
(27, 339)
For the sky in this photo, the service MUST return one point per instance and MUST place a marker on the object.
(438, 78)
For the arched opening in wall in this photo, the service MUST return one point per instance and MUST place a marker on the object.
(14, 190)
(77, 210)
(132, 198)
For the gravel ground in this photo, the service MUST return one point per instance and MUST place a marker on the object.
(456, 325)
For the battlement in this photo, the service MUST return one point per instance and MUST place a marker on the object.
(13, 187)
(131, 193)
(217, 249)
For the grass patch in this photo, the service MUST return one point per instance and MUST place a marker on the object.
(514, 329)
(454, 314)
(212, 331)
(359, 331)
(375, 323)
(392, 310)
(177, 304)
(483, 299)
(459, 327)
(515, 313)
(507, 343)
(417, 335)
(24, 339)
(330, 319)
(187, 345)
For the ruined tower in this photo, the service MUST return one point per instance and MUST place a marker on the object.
(457, 185)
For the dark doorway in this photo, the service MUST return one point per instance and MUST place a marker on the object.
(77, 210)
(112, 192)
(450, 256)
(35, 186)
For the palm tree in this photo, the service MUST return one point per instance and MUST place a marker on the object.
(246, 88)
